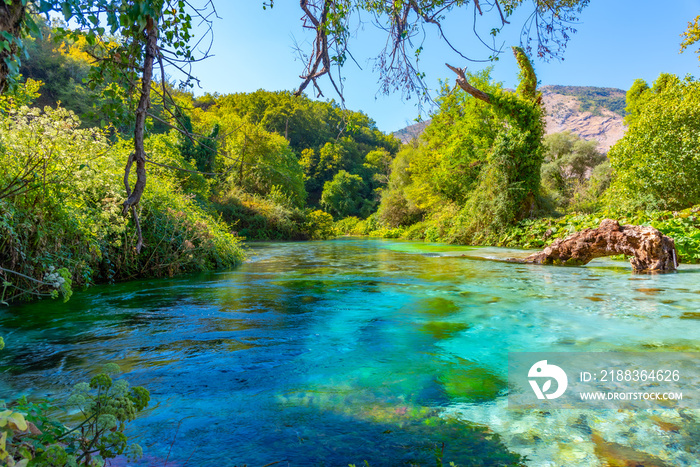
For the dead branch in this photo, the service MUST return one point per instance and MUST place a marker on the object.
(464, 84)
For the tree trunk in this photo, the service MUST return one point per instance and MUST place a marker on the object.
(11, 17)
(139, 155)
(650, 249)
(240, 169)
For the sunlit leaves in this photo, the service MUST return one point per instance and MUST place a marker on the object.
(657, 163)
(691, 35)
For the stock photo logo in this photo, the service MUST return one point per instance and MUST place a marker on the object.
(544, 371)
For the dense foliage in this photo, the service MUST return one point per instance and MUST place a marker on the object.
(258, 162)
(477, 170)
(574, 173)
(272, 165)
(59, 210)
(324, 137)
(657, 164)
(653, 169)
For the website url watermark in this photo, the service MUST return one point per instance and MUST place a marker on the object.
(604, 380)
(631, 396)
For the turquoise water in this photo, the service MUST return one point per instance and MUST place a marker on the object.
(336, 352)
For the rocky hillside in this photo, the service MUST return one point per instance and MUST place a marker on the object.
(590, 112)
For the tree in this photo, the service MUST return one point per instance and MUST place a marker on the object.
(379, 162)
(325, 137)
(571, 156)
(151, 32)
(548, 29)
(458, 144)
(657, 163)
(508, 186)
(477, 168)
(569, 162)
(342, 196)
(159, 32)
(634, 98)
(259, 161)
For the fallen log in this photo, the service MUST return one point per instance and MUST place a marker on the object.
(651, 250)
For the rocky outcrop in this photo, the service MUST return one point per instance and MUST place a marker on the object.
(564, 114)
(650, 249)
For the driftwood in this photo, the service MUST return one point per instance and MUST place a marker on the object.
(649, 248)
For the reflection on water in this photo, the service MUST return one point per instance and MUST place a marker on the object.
(330, 353)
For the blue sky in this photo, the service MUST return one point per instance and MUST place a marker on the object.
(617, 42)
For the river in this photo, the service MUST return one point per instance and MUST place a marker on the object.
(337, 352)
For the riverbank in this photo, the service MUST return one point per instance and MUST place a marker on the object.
(682, 226)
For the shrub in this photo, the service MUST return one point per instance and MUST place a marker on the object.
(319, 225)
(395, 210)
(261, 218)
(347, 225)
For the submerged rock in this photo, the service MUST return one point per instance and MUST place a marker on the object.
(649, 248)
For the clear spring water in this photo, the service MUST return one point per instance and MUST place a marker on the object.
(336, 352)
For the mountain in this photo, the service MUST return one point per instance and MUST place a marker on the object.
(592, 113)
(411, 132)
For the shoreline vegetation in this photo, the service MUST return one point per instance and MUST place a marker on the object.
(273, 166)
(683, 226)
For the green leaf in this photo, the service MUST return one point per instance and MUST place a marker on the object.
(66, 10)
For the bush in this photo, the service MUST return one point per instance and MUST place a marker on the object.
(319, 225)
(395, 210)
(45, 159)
(179, 236)
(261, 218)
(347, 225)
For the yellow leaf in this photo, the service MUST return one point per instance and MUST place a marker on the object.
(3, 452)
(17, 419)
(3, 417)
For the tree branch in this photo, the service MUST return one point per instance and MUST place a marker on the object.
(464, 84)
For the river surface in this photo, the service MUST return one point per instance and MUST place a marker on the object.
(336, 352)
